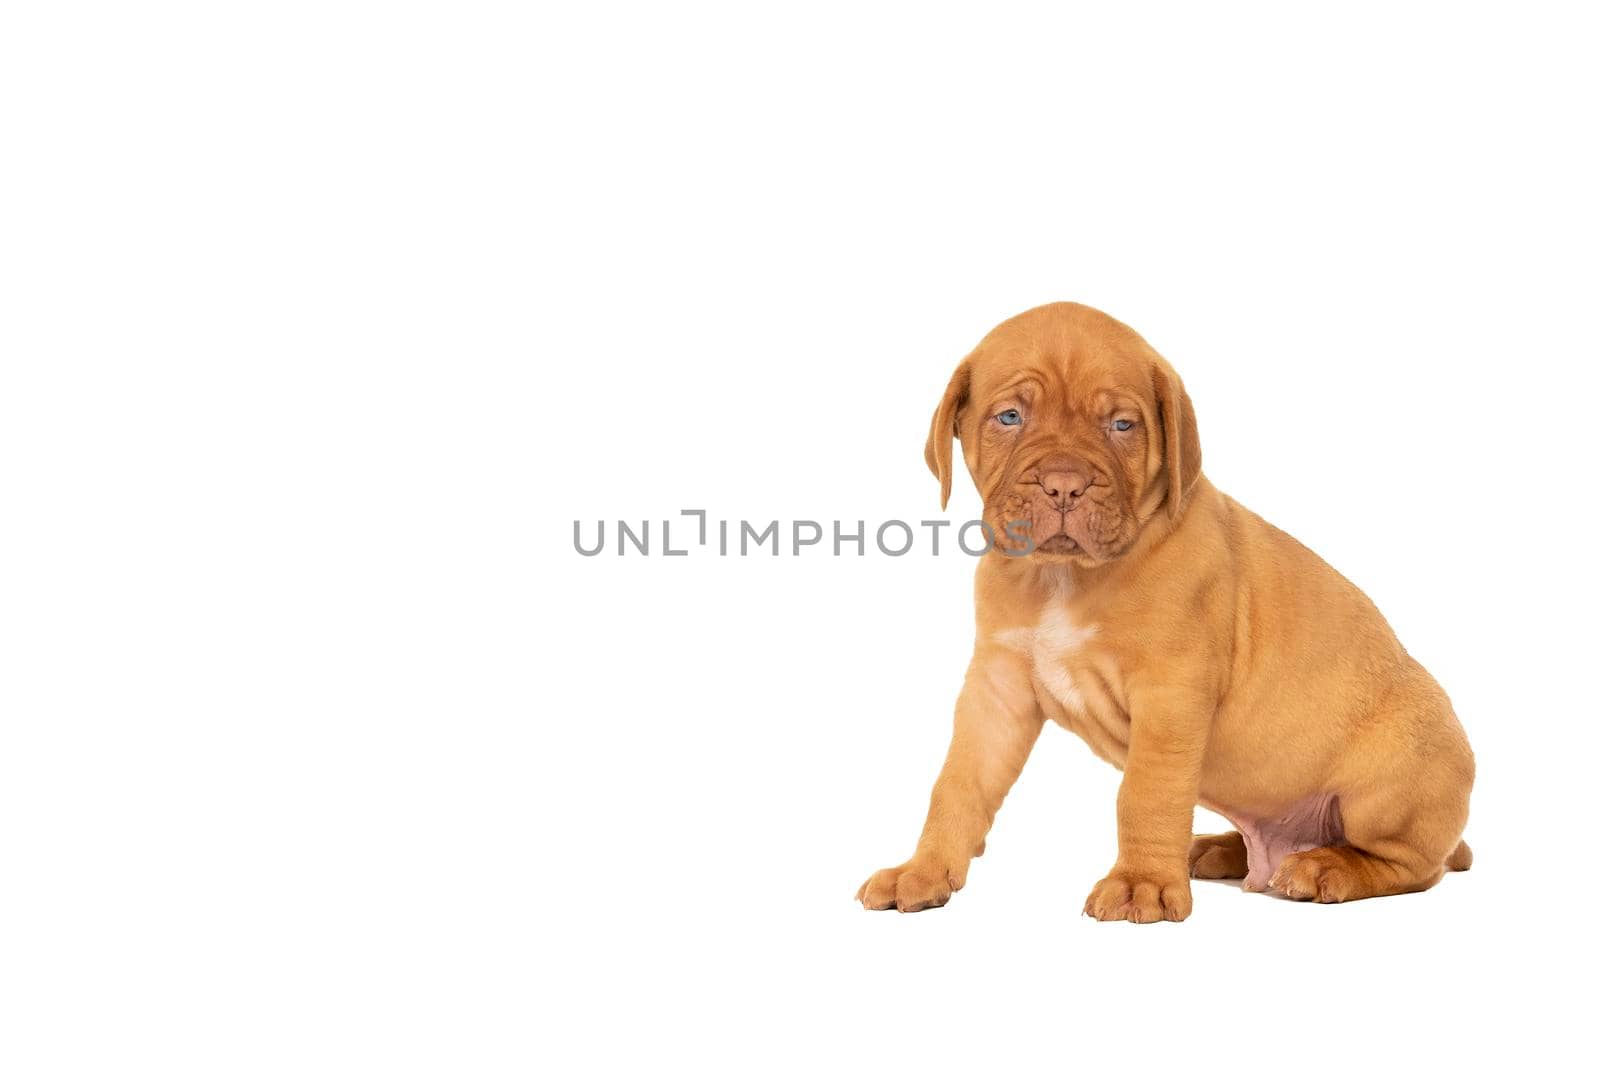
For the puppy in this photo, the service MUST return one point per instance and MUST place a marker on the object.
(1211, 657)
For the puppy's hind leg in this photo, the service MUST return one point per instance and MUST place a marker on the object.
(1386, 850)
(1400, 833)
(1219, 856)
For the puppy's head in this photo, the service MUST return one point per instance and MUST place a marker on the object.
(1072, 425)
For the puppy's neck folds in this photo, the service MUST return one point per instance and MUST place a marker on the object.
(1056, 582)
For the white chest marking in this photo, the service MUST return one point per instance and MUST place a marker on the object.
(1049, 644)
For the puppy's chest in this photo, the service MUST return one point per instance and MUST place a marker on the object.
(1074, 676)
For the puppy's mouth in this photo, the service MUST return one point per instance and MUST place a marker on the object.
(1055, 535)
(1059, 545)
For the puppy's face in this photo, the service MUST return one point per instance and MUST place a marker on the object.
(1076, 433)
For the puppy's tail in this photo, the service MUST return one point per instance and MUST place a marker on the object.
(1461, 858)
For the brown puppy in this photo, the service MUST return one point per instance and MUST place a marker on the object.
(1210, 656)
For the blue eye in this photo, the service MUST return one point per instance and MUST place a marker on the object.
(1010, 417)
(1122, 424)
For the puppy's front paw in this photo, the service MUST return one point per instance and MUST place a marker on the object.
(1140, 897)
(911, 886)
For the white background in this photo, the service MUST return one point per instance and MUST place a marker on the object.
(323, 322)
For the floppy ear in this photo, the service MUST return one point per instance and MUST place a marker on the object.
(943, 431)
(1180, 437)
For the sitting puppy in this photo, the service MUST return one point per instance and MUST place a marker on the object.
(1209, 655)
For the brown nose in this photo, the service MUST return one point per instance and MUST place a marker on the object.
(1063, 487)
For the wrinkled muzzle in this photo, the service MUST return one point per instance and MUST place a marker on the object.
(1062, 506)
